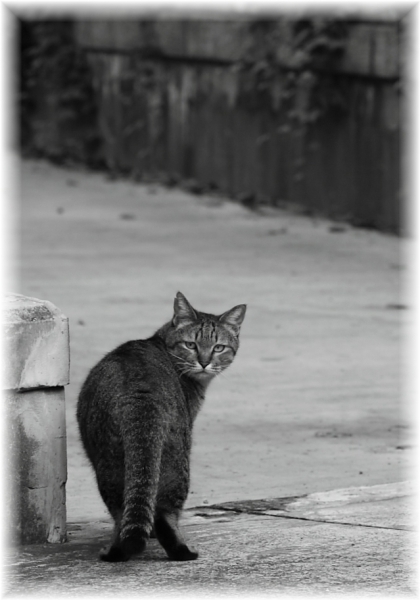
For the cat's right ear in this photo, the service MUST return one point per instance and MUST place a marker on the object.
(183, 311)
(234, 317)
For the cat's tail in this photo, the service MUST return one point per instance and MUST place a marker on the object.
(143, 434)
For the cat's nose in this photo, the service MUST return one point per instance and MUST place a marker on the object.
(204, 363)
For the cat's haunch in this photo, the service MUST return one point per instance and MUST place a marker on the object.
(136, 411)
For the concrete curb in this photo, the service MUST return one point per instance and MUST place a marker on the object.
(350, 506)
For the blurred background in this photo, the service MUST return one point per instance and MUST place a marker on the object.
(299, 111)
(237, 157)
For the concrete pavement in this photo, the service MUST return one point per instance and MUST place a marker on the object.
(358, 541)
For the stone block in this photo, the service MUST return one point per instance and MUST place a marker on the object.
(36, 339)
(36, 367)
(37, 465)
(358, 56)
(386, 60)
(205, 39)
(216, 40)
(371, 49)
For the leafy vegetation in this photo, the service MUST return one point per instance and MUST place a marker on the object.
(291, 66)
(56, 82)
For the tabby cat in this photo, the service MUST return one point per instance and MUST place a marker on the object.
(135, 413)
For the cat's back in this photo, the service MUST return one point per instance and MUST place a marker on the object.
(134, 382)
(135, 367)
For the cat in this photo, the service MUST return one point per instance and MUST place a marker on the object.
(135, 413)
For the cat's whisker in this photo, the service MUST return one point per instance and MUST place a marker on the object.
(219, 371)
(179, 358)
(181, 361)
(186, 370)
(175, 355)
(181, 365)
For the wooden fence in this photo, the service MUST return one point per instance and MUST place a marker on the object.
(172, 100)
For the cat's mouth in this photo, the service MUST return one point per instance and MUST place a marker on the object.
(203, 373)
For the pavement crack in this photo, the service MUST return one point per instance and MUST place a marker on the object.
(298, 517)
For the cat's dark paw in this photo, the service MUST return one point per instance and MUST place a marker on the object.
(182, 552)
(133, 544)
(113, 554)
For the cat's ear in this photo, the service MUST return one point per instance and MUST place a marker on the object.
(183, 311)
(234, 316)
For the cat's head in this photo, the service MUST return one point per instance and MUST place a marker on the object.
(203, 345)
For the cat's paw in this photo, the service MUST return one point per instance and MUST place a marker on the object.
(113, 554)
(182, 552)
(133, 544)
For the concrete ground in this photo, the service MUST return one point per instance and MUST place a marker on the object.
(355, 541)
(312, 404)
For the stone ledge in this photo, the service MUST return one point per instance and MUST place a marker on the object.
(36, 346)
(346, 506)
(372, 47)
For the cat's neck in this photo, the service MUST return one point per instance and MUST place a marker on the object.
(193, 388)
(194, 393)
(161, 333)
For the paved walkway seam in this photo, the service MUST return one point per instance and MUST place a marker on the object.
(267, 514)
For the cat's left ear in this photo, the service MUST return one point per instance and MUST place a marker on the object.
(183, 311)
(234, 316)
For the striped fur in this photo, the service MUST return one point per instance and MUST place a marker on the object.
(135, 413)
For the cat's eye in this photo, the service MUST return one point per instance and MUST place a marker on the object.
(190, 345)
(218, 348)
